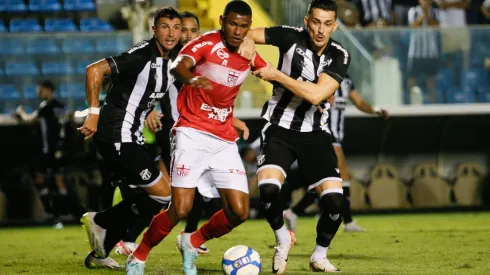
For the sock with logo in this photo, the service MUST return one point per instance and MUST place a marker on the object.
(330, 219)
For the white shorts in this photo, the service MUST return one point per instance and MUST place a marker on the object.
(204, 161)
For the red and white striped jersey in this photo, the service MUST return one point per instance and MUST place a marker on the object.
(211, 111)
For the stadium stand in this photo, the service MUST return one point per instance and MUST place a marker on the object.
(428, 188)
(94, 25)
(386, 190)
(44, 6)
(14, 6)
(467, 185)
(42, 46)
(60, 25)
(357, 195)
(79, 5)
(25, 25)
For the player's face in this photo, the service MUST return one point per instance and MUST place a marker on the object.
(235, 27)
(321, 24)
(167, 32)
(190, 30)
(42, 92)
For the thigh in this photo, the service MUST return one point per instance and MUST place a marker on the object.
(226, 170)
(317, 160)
(276, 150)
(206, 187)
(140, 168)
(188, 159)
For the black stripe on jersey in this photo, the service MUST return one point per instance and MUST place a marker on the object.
(281, 106)
(150, 88)
(317, 119)
(299, 115)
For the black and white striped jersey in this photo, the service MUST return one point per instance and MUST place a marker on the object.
(424, 40)
(337, 111)
(299, 62)
(141, 78)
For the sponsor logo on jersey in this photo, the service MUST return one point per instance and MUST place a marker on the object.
(182, 170)
(202, 44)
(137, 47)
(233, 77)
(145, 174)
(217, 113)
(157, 95)
(222, 54)
(326, 63)
(155, 65)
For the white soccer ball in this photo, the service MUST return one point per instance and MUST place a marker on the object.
(241, 260)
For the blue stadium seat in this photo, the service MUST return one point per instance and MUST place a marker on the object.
(9, 92)
(2, 72)
(42, 46)
(76, 90)
(77, 45)
(44, 6)
(30, 92)
(49, 68)
(94, 25)
(82, 65)
(60, 25)
(105, 45)
(444, 81)
(23, 68)
(79, 5)
(484, 93)
(14, 6)
(3, 28)
(25, 25)
(11, 47)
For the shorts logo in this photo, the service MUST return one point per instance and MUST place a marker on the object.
(260, 159)
(334, 217)
(182, 170)
(237, 172)
(145, 174)
(337, 169)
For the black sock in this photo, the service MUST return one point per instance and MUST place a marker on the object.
(307, 200)
(119, 218)
(272, 205)
(195, 215)
(330, 219)
(138, 226)
(346, 210)
(45, 197)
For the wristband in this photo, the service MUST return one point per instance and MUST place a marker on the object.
(94, 110)
(377, 111)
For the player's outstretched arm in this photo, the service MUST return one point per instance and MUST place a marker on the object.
(181, 70)
(315, 93)
(29, 118)
(363, 106)
(254, 36)
(241, 127)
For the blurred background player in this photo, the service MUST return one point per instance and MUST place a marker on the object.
(50, 116)
(205, 153)
(346, 91)
(140, 78)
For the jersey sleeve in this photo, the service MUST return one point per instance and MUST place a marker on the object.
(259, 62)
(197, 49)
(281, 36)
(129, 61)
(340, 63)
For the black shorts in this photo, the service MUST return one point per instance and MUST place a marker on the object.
(50, 163)
(129, 162)
(423, 66)
(316, 157)
(163, 138)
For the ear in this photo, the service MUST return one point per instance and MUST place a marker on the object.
(153, 29)
(305, 20)
(336, 25)
(221, 20)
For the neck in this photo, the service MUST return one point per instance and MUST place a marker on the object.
(318, 50)
(163, 52)
(230, 48)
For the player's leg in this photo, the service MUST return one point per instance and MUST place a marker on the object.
(275, 158)
(349, 224)
(318, 166)
(107, 227)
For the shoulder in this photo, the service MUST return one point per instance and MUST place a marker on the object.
(142, 48)
(288, 30)
(207, 39)
(337, 50)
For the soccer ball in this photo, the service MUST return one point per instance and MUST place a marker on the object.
(241, 260)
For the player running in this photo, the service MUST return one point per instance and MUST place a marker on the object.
(312, 66)
(205, 153)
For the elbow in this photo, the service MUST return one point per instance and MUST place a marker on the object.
(316, 100)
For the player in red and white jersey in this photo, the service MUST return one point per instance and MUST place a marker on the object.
(205, 153)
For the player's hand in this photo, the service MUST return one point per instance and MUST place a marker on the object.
(331, 100)
(247, 49)
(201, 82)
(268, 73)
(153, 122)
(382, 113)
(19, 110)
(90, 126)
(241, 126)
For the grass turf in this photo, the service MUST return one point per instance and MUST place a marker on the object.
(399, 244)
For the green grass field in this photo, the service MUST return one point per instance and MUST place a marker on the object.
(398, 244)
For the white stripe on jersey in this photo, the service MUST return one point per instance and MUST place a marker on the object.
(172, 95)
(220, 74)
(133, 102)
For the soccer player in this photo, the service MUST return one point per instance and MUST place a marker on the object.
(312, 66)
(346, 91)
(140, 78)
(50, 116)
(205, 154)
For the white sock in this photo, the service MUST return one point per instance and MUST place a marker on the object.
(282, 236)
(319, 253)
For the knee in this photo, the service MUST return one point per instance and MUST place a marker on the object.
(240, 214)
(181, 211)
(269, 190)
(332, 201)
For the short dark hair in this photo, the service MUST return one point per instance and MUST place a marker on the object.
(48, 84)
(188, 14)
(238, 7)
(326, 5)
(166, 12)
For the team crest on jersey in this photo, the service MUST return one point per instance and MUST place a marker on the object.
(182, 170)
(145, 174)
(233, 77)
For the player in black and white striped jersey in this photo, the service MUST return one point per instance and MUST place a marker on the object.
(312, 66)
(347, 91)
(423, 51)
